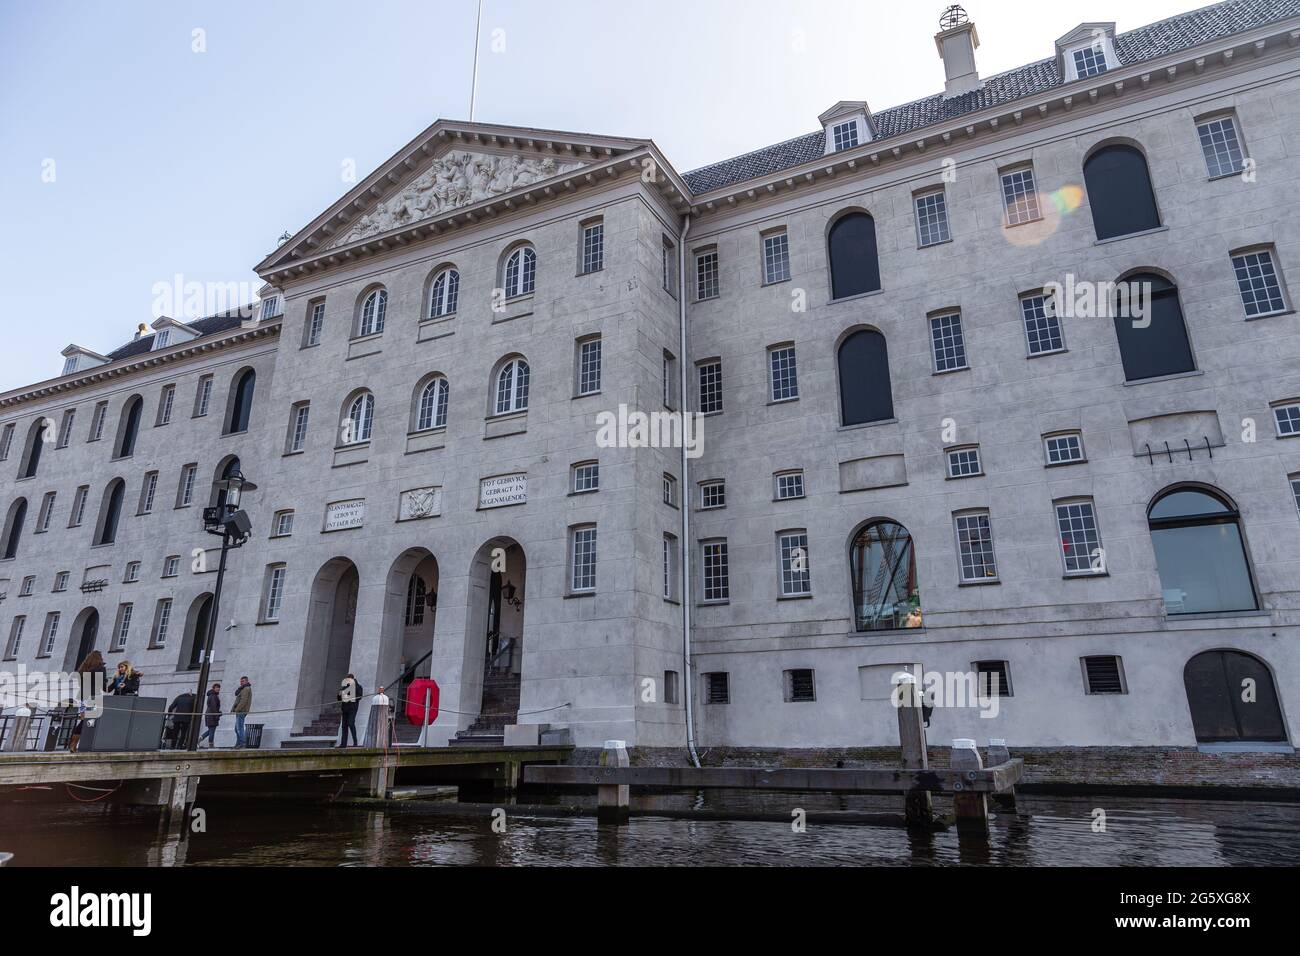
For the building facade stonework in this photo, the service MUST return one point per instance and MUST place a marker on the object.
(910, 459)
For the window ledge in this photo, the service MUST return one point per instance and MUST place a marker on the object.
(978, 584)
(266, 624)
(773, 282)
(1235, 174)
(1213, 615)
(931, 245)
(573, 595)
(441, 327)
(854, 298)
(1165, 378)
(977, 474)
(294, 454)
(782, 401)
(1130, 235)
(950, 371)
(713, 603)
(883, 421)
(1065, 464)
(1034, 355)
(1084, 575)
(794, 597)
(1270, 315)
(594, 394)
(1017, 225)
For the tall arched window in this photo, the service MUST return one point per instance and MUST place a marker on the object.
(14, 527)
(520, 274)
(865, 393)
(42, 431)
(373, 311)
(1119, 191)
(512, 387)
(128, 428)
(431, 411)
(241, 403)
(882, 562)
(110, 511)
(358, 420)
(1200, 553)
(1150, 328)
(416, 595)
(855, 266)
(444, 294)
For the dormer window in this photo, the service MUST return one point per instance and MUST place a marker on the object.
(1086, 51)
(168, 332)
(77, 359)
(70, 365)
(162, 339)
(271, 308)
(845, 135)
(847, 125)
(1089, 60)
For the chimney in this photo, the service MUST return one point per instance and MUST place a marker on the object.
(957, 41)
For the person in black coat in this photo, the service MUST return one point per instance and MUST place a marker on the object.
(349, 700)
(212, 716)
(181, 712)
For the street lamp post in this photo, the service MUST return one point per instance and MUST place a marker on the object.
(234, 528)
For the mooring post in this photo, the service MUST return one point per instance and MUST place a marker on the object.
(917, 804)
(424, 728)
(970, 807)
(1004, 800)
(181, 797)
(612, 800)
(18, 735)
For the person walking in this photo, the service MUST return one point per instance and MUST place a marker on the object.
(349, 699)
(212, 716)
(182, 712)
(243, 705)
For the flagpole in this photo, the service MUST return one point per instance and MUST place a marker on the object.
(473, 90)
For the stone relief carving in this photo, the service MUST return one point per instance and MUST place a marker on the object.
(457, 179)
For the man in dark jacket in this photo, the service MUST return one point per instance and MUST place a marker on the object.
(212, 716)
(349, 701)
(182, 712)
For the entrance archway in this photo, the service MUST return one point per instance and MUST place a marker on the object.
(494, 635)
(81, 640)
(196, 630)
(1233, 698)
(327, 644)
(410, 611)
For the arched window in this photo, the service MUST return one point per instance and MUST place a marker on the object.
(1200, 553)
(431, 411)
(241, 403)
(14, 527)
(358, 420)
(444, 294)
(1119, 191)
(520, 274)
(1150, 328)
(865, 393)
(416, 595)
(42, 431)
(373, 311)
(882, 563)
(512, 387)
(110, 511)
(129, 427)
(855, 267)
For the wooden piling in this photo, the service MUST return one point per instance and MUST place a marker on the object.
(613, 800)
(918, 808)
(970, 806)
(1005, 800)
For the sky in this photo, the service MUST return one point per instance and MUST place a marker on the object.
(141, 140)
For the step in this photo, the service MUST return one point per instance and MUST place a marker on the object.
(478, 740)
(309, 743)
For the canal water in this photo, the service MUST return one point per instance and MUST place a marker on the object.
(1049, 831)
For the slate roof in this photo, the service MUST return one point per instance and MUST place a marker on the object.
(1145, 43)
(213, 325)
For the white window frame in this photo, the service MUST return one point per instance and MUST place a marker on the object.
(1087, 511)
(444, 294)
(591, 257)
(431, 413)
(1063, 436)
(709, 376)
(1259, 263)
(50, 634)
(361, 413)
(947, 335)
(519, 272)
(962, 520)
(373, 315)
(588, 361)
(185, 493)
(171, 566)
(708, 281)
(783, 483)
(715, 550)
(273, 593)
(793, 583)
(282, 523)
(1206, 129)
(965, 451)
(511, 387)
(776, 257)
(299, 418)
(782, 373)
(122, 630)
(719, 487)
(584, 478)
(583, 557)
(931, 217)
(1020, 205)
(1031, 305)
(1286, 419)
(315, 324)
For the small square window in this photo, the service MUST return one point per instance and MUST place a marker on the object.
(61, 581)
(1259, 283)
(1287, 418)
(717, 687)
(964, 462)
(713, 494)
(586, 477)
(1063, 449)
(283, 524)
(789, 485)
(132, 572)
(1103, 675)
(845, 135)
(1090, 61)
(800, 686)
(994, 678)
(171, 566)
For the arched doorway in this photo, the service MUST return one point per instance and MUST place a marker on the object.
(327, 644)
(197, 622)
(81, 641)
(1233, 698)
(494, 651)
(410, 610)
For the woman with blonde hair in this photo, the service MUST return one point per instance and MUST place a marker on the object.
(126, 682)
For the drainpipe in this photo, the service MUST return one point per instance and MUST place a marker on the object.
(684, 498)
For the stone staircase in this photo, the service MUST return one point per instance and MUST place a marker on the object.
(320, 733)
(500, 707)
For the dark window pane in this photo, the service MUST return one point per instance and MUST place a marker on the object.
(855, 267)
(1203, 568)
(1119, 191)
(1232, 698)
(1156, 344)
(865, 394)
(1187, 503)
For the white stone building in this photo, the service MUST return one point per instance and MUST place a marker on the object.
(910, 458)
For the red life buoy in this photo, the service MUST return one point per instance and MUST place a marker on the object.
(415, 694)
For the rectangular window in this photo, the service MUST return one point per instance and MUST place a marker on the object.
(162, 339)
(1287, 418)
(1295, 491)
(1221, 146)
(97, 421)
(589, 367)
(29, 583)
(1103, 675)
(7, 442)
(713, 494)
(670, 567)
(716, 581)
(132, 572)
(670, 490)
(710, 387)
(1042, 326)
(203, 399)
(15, 637)
(845, 135)
(1063, 449)
(271, 308)
(776, 258)
(785, 374)
(947, 341)
(932, 218)
(789, 485)
(283, 525)
(51, 633)
(670, 380)
(586, 477)
(706, 275)
(162, 621)
(298, 419)
(61, 581)
(994, 678)
(670, 687)
(47, 512)
(796, 579)
(315, 325)
(148, 493)
(1076, 524)
(669, 258)
(1258, 281)
(185, 493)
(800, 686)
(717, 688)
(70, 365)
(274, 593)
(171, 566)
(79, 507)
(165, 404)
(123, 629)
(582, 569)
(593, 248)
(65, 428)
(964, 462)
(1089, 61)
(1019, 196)
(975, 547)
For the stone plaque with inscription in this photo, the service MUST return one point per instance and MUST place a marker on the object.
(342, 515)
(502, 491)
